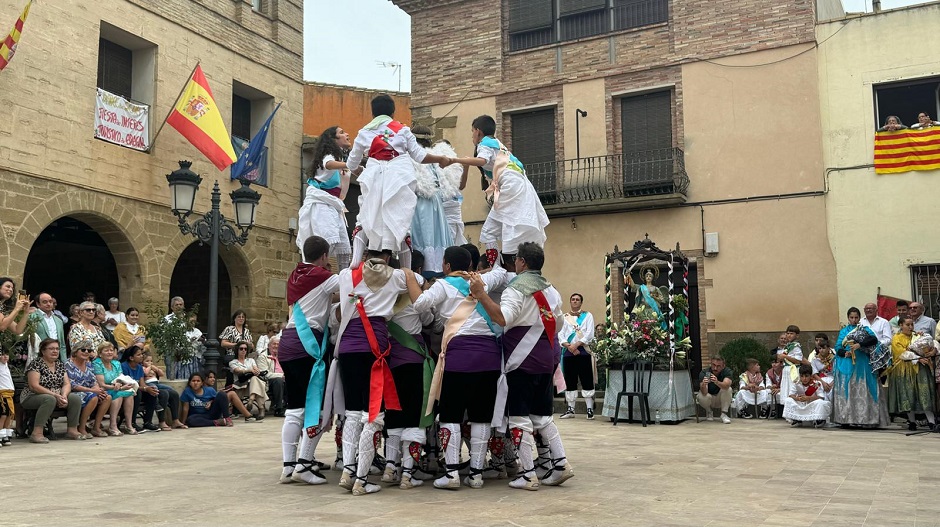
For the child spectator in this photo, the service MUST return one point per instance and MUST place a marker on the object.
(806, 401)
(168, 401)
(752, 392)
(821, 360)
(772, 382)
(793, 357)
(203, 406)
(6, 400)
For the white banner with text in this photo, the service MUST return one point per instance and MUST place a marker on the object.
(122, 122)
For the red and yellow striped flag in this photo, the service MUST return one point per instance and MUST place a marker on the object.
(8, 46)
(906, 150)
(198, 119)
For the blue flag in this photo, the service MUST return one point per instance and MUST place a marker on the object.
(252, 162)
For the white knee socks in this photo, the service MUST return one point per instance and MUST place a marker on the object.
(352, 428)
(290, 437)
(550, 435)
(367, 442)
(570, 397)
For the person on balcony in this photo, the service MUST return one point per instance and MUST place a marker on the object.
(893, 124)
(517, 215)
(924, 121)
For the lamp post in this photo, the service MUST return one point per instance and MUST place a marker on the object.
(579, 113)
(213, 228)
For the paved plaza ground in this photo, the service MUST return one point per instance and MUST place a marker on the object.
(748, 473)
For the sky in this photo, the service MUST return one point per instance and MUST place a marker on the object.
(344, 41)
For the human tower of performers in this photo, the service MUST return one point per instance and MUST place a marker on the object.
(353, 354)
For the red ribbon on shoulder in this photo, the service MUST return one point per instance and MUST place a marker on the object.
(548, 318)
(381, 383)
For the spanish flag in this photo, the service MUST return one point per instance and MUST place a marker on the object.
(197, 118)
(8, 46)
(906, 150)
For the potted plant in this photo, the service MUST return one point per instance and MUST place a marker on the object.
(169, 336)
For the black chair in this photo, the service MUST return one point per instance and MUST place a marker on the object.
(642, 377)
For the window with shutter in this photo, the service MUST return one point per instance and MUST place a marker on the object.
(241, 116)
(533, 142)
(646, 138)
(115, 68)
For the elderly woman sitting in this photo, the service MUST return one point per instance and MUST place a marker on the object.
(107, 370)
(48, 387)
(249, 379)
(267, 360)
(85, 383)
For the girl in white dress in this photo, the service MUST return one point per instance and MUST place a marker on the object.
(323, 213)
(806, 400)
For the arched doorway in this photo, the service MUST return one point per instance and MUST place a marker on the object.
(68, 258)
(190, 280)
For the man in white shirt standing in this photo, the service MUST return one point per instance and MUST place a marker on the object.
(879, 326)
(576, 360)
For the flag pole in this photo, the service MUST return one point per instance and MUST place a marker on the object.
(173, 106)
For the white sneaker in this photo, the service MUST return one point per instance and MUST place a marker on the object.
(408, 482)
(568, 414)
(362, 487)
(310, 476)
(474, 481)
(448, 481)
(346, 480)
(725, 419)
(525, 482)
(391, 475)
(559, 475)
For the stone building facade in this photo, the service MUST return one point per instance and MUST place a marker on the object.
(72, 206)
(727, 92)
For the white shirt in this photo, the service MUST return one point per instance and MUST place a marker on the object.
(881, 328)
(49, 321)
(445, 298)
(586, 327)
(403, 142)
(410, 319)
(247, 365)
(316, 304)
(120, 316)
(379, 303)
(522, 310)
(6, 380)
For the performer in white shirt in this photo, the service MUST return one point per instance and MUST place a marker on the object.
(468, 367)
(577, 362)
(529, 311)
(388, 184)
(323, 212)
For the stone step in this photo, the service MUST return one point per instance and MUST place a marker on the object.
(580, 406)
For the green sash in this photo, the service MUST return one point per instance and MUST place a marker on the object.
(407, 340)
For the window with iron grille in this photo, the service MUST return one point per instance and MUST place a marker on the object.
(535, 23)
(925, 283)
(646, 139)
(115, 68)
(533, 142)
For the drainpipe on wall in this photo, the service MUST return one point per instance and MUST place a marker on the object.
(876, 6)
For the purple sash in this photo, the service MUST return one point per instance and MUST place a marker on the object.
(473, 353)
(354, 336)
(541, 359)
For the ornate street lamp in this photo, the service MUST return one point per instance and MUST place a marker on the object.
(213, 228)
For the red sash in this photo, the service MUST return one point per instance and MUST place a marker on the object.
(381, 383)
(545, 312)
(811, 389)
(380, 149)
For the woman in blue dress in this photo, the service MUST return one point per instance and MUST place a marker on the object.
(857, 397)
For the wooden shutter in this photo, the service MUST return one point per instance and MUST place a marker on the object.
(533, 142)
(241, 116)
(528, 15)
(646, 124)
(115, 68)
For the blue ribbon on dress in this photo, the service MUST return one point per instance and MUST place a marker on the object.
(461, 285)
(333, 182)
(654, 305)
(314, 402)
(492, 142)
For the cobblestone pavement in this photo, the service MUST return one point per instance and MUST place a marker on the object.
(748, 473)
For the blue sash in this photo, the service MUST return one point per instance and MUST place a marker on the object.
(514, 164)
(461, 285)
(333, 182)
(314, 403)
(654, 305)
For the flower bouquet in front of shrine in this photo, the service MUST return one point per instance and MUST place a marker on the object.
(610, 348)
(648, 341)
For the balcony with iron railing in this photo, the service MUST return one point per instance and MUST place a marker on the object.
(645, 179)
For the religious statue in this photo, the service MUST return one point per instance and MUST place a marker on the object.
(647, 294)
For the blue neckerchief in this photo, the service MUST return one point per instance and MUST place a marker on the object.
(461, 285)
(333, 182)
(574, 334)
(492, 142)
(314, 402)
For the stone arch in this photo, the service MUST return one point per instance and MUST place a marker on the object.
(120, 229)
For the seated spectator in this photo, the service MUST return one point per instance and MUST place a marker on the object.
(822, 360)
(113, 316)
(781, 346)
(752, 397)
(107, 369)
(924, 121)
(132, 366)
(600, 330)
(820, 338)
(262, 345)
(85, 383)
(203, 406)
(233, 398)
(85, 327)
(772, 381)
(249, 379)
(168, 402)
(48, 388)
(715, 390)
(129, 331)
(892, 123)
(267, 361)
(100, 314)
(806, 401)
